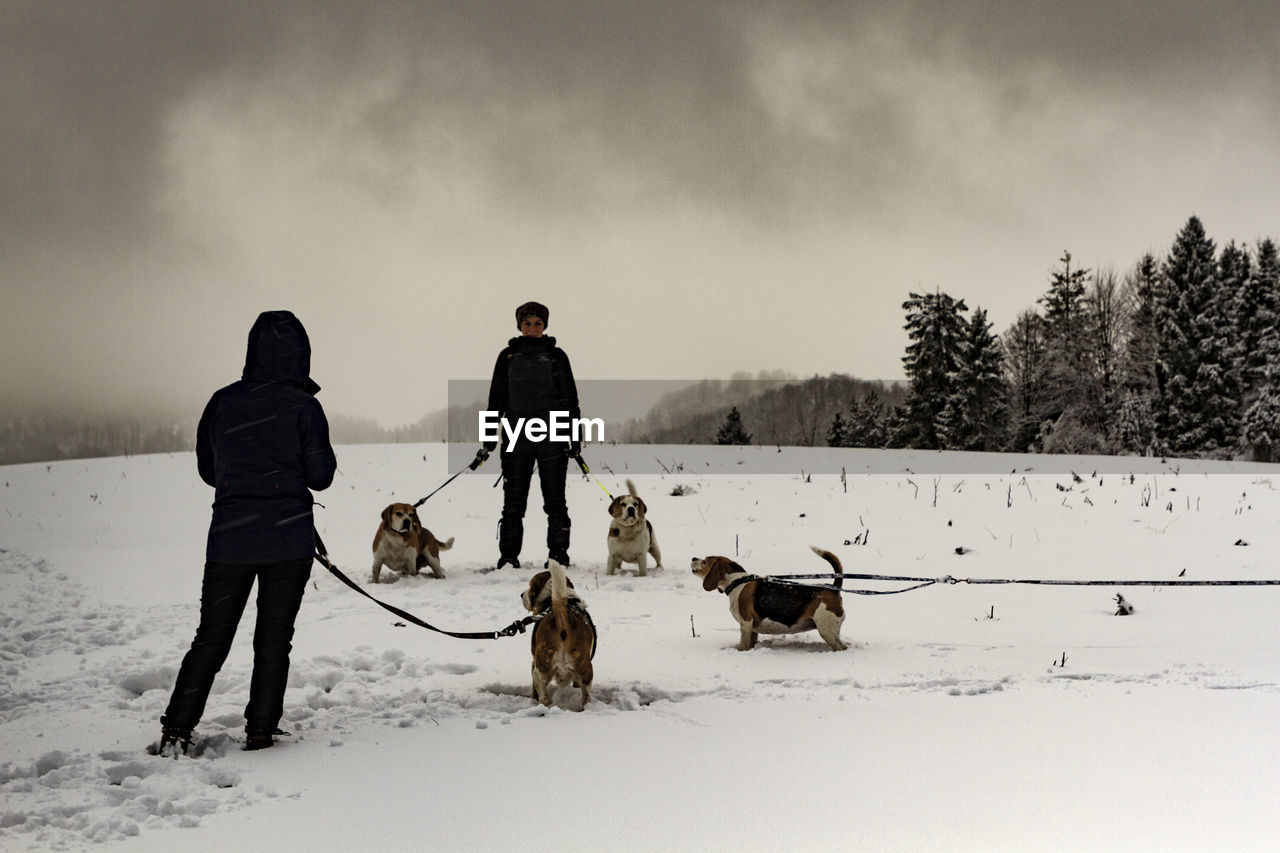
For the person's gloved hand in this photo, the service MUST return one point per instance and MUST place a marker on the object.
(575, 449)
(481, 455)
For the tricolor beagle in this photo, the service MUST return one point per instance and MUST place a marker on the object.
(764, 606)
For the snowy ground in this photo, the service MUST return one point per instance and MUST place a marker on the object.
(953, 722)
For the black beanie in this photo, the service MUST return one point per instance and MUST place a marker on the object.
(532, 309)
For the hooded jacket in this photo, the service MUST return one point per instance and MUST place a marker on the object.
(263, 444)
(531, 379)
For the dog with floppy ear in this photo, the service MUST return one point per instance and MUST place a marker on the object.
(537, 596)
(564, 639)
(764, 606)
(403, 545)
(631, 538)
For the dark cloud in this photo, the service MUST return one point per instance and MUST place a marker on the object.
(85, 92)
(182, 159)
(559, 96)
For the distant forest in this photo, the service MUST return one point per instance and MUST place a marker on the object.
(790, 411)
(787, 411)
(1178, 355)
(48, 434)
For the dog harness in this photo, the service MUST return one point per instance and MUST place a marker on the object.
(778, 601)
(573, 604)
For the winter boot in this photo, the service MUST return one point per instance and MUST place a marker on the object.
(507, 561)
(174, 742)
(255, 740)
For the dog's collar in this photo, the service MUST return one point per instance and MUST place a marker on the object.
(737, 582)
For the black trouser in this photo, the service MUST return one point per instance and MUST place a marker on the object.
(223, 596)
(517, 473)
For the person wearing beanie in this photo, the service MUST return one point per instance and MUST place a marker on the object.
(531, 379)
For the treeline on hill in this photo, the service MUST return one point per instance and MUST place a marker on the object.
(782, 411)
(1178, 356)
(40, 436)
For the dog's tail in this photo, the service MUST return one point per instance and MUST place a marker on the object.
(631, 489)
(835, 564)
(559, 593)
(446, 545)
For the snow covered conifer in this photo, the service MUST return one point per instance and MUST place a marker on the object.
(1142, 293)
(1065, 377)
(975, 415)
(936, 329)
(867, 421)
(1261, 425)
(1258, 324)
(1197, 406)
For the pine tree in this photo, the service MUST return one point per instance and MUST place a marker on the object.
(899, 429)
(975, 416)
(838, 432)
(1258, 326)
(1257, 319)
(1133, 423)
(866, 421)
(1065, 369)
(1261, 425)
(936, 329)
(1198, 411)
(732, 431)
(1267, 279)
(1142, 293)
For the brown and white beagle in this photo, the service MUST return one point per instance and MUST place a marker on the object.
(631, 538)
(764, 606)
(564, 640)
(404, 545)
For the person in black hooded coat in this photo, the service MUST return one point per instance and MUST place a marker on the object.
(263, 444)
(531, 379)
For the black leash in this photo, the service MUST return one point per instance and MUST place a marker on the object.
(920, 583)
(517, 627)
(790, 580)
(471, 466)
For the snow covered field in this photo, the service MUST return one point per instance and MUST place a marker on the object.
(963, 717)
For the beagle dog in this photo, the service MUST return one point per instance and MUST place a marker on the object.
(404, 545)
(537, 597)
(631, 538)
(764, 606)
(564, 640)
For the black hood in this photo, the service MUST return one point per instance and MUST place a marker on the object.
(279, 351)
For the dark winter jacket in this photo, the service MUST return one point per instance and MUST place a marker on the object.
(263, 443)
(531, 379)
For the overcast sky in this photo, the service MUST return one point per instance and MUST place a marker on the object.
(694, 188)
